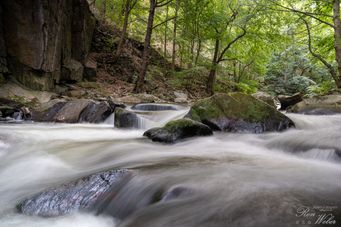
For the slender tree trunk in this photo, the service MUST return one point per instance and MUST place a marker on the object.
(139, 86)
(174, 34)
(165, 34)
(337, 38)
(124, 29)
(198, 52)
(212, 75)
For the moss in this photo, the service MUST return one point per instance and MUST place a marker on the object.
(234, 106)
(172, 126)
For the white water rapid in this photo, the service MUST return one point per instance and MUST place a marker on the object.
(227, 179)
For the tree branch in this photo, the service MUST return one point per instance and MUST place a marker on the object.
(231, 43)
(157, 25)
(319, 57)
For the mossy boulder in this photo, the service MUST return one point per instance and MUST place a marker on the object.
(237, 112)
(125, 119)
(321, 105)
(177, 130)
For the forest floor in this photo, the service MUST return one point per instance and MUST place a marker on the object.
(116, 76)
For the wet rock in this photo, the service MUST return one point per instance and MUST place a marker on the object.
(177, 130)
(176, 192)
(78, 195)
(71, 111)
(125, 119)
(321, 105)
(237, 112)
(153, 107)
(48, 111)
(96, 112)
(289, 100)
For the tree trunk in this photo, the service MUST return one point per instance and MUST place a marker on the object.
(337, 38)
(139, 86)
(174, 34)
(212, 75)
(124, 29)
(198, 53)
(165, 34)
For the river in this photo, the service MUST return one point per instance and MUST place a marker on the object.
(222, 180)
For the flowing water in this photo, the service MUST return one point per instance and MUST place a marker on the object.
(222, 180)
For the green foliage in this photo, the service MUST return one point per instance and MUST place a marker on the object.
(321, 89)
(247, 87)
(292, 71)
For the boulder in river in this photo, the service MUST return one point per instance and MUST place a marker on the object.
(96, 112)
(125, 119)
(321, 105)
(82, 194)
(153, 107)
(289, 100)
(71, 111)
(237, 112)
(267, 98)
(177, 130)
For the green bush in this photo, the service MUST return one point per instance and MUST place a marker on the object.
(321, 89)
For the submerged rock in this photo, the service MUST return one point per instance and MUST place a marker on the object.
(78, 195)
(322, 105)
(125, 119)
(177, 130)
(153, 107)
(237, 112)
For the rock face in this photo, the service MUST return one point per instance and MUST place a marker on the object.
(323, 105)
(237, 112)
(78, 195)
(125, 119)
(153, 107)
(177, 130)
(53, 42)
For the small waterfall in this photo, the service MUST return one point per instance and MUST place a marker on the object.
(157, 115)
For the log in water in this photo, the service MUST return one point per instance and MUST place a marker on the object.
(273, 179)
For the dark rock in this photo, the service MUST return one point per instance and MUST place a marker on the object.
(90, 68)
(287, 101)
(8, 111)
(177, 192)
(96, 112)
(71, 111)
(78, 195)
(237, 112)
(153, 107)
(48, 115)
(72, 71)
(51, 34)
(177, 130)
(125, 119)
(321, 105)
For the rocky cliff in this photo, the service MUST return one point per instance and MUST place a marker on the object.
(43, 42)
